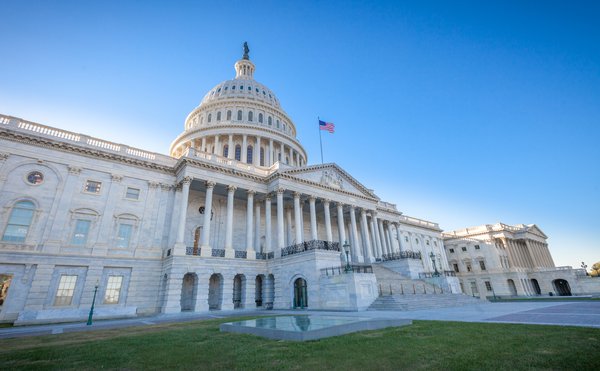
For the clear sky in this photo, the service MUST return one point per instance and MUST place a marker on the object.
(460, 112)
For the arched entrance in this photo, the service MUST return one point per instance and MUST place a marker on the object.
(258, 292)
(238, 290)
(269, 291)
(300, 295)
(536, 287)
(215, 291)
(512, 288)
(562, 287)
(188, 292)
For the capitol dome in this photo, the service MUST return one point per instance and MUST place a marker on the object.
(241, 120)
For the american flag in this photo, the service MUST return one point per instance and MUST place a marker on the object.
(329, 126)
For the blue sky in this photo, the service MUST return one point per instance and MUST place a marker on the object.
(463, 113)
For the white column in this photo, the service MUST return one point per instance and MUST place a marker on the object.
(382, 236)
(267, 225)
(291, 156)
(257, 151)
(271, 154)
(280, 235)
(342, 231)
(203, 147)
(249, 208)
(183, 205)
(297, 216)
(231, 150)
(390, 238)
(356, 250)
(257, 227)
(229, 221)
(282, 151)
(396, 237)
(313, 218)
(365, 236)
(375, 234)
(204, 246)
(288, 222)
(327, 221)
(244, 148)
(216, 149)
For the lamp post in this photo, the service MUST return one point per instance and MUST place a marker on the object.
(584, 266)
(89, 321)
(436, 273)
(347, 250)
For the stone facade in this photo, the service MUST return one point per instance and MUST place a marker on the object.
(505, 260)
(232, 218)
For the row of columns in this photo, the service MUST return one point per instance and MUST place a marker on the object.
(271, 149)
(376, 238)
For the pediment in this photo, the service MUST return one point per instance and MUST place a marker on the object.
(331, 176)
(534, 229)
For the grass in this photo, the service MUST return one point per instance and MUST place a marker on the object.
(200, 345)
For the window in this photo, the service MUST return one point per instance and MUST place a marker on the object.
(242, 88)
(238, 152)
(277, 124)
(218, 116)
(113, 289)
(35, 178)
(91, 186)
(417, 240)
(233, 87)
(250, 116)
(239, 115)
(124, 235)
(427, 242)
(66, 288)
(132, 193)
(469, 267)
(262, 157)
(476, 247)
(260, 118)
(488, 285)
(434, 243)
(270, 121)
(249, 154)
(209, 117)
(81, 232)
(482, 265)
(464, 248)
(226, 150)
(19, 222)
(228, 115)
(249, 88)
(455, 267)
(451, 251)
(405, 238)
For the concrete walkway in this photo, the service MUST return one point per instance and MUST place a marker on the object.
(575, 313)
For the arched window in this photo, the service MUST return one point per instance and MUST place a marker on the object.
(226, 150)
(287, 160)
(249, 155)
(218, 116)
(250, 116)
(262, 157)
(270, 121)
(238, 152)
(229, 115)
(209, 117)
(19, 222)
(239, 115)
(277, 124)
(260, 118)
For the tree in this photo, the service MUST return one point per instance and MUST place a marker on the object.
(595, 271)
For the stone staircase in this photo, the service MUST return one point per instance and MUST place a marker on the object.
(397, 292)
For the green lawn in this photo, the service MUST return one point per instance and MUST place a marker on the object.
(424, 345)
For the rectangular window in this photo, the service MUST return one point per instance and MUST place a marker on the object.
(451, 251)
(80, 234)
(92, 186)
(124, 235)
(488, 285)
(468, 267)
(482, 265)
(132, 193)
(476, 247)
(113, 289)
(66, 288)
(455, 267)
(463, 248)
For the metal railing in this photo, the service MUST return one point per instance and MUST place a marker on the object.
(406, 254)
(440, 274)
(310, 245)
(264, 255)
(218, 253)
(191, 250)
(343, 269)
(241, 254)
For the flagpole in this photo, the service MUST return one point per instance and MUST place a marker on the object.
(320, 140)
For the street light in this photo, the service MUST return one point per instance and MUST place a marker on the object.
(584, 266)
(89, 321)
(432, 256)
(346, 247)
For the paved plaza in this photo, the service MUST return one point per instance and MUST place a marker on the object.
(576, 313)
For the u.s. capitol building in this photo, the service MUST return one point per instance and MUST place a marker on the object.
(234, 217)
